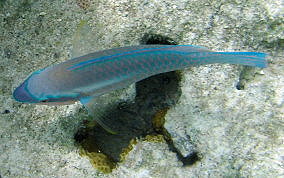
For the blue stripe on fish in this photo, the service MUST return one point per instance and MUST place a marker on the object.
(99, 59)
(251, 57)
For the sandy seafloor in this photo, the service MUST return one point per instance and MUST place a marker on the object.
(237, 133)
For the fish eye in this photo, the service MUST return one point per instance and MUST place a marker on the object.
(44, 101)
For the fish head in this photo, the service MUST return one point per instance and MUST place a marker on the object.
(38, 89)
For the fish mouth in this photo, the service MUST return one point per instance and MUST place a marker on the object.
(22, 94)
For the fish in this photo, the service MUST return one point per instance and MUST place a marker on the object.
(86, 77)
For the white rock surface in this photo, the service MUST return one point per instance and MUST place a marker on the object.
(238, 133)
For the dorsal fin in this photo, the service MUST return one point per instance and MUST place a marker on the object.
(84, 40)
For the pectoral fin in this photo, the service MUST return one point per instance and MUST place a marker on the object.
(94, 110)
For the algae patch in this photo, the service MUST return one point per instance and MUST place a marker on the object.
(99, 160)
(89, 149)
(158, 120)
(126, 150)
(100, 150)
(101, 157)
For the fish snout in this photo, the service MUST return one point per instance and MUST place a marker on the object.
(22, 94)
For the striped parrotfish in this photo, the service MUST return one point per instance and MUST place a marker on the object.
(87, 77)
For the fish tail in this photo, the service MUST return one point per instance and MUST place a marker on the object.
(255, 59)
